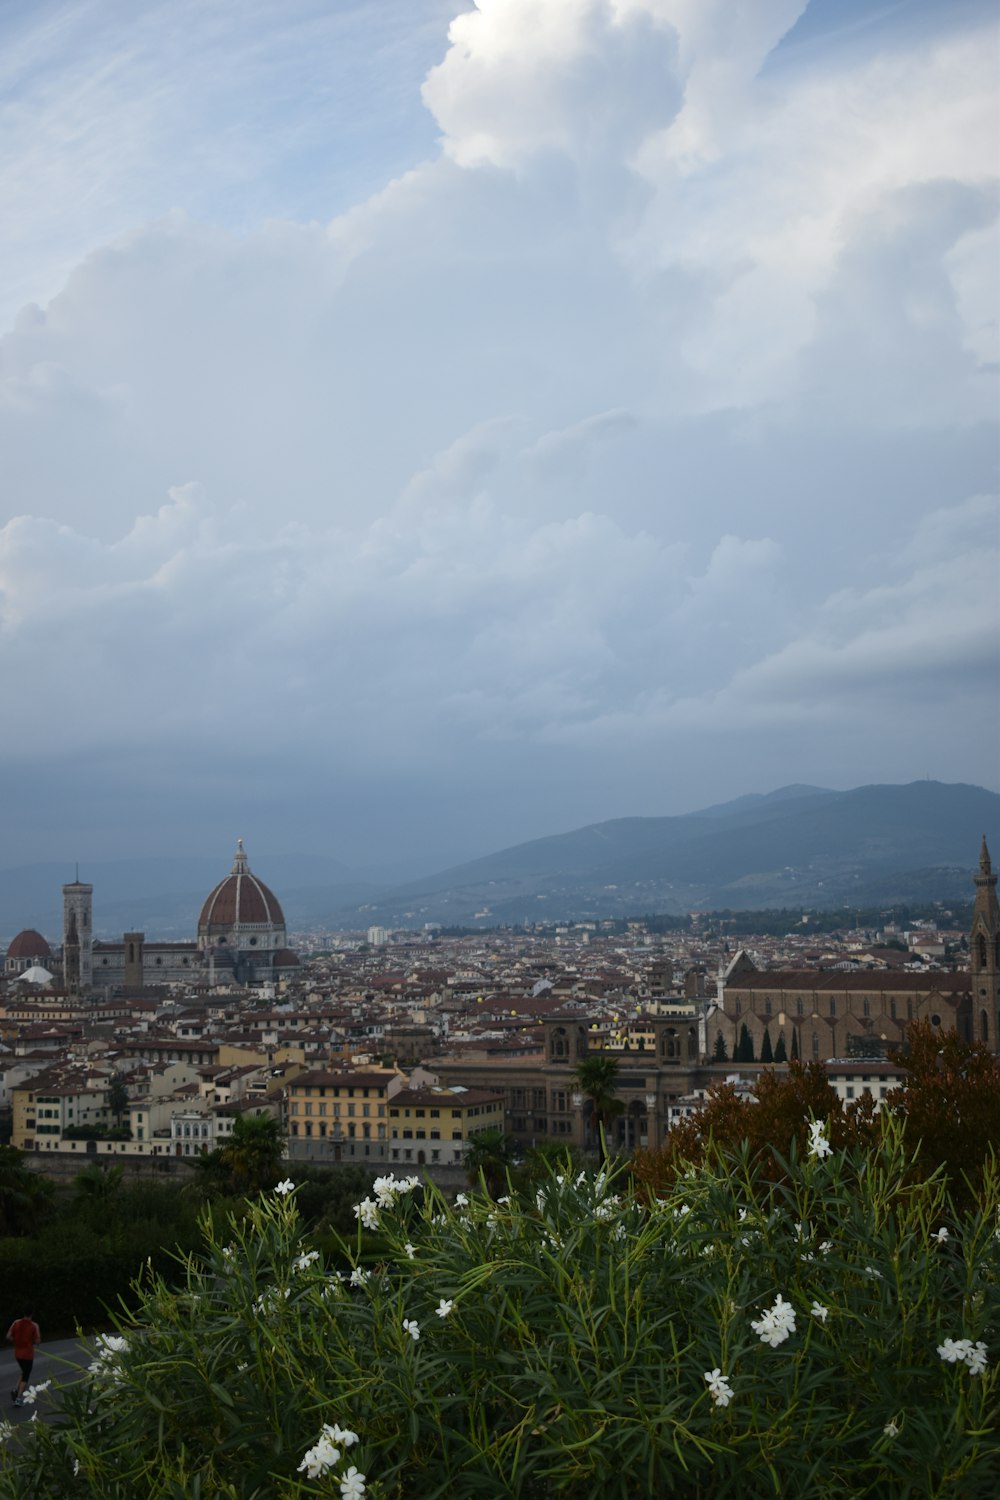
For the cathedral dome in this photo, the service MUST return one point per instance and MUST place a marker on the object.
(29, 944)
(240, 900)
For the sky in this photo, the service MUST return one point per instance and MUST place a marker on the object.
(428, 426)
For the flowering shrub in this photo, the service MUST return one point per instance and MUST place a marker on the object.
(820, 1339)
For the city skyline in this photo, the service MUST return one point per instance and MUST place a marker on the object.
(430, 427)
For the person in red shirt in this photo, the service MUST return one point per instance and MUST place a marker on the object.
(24, 1333)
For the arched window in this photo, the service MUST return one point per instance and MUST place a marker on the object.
(867, 1006)
(815, 1044)
(798, 1006)
(984, 1026)
(892, 1009)
(833, 1006)
(982, 950)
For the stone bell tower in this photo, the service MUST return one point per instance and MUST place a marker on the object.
(78, 933)
(984, 955)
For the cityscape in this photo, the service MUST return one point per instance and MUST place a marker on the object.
(151, 1050)
(499, 813)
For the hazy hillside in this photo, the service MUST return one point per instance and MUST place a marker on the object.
(800, 845)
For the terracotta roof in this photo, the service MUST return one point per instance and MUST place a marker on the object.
(240, 898)
(29, 944)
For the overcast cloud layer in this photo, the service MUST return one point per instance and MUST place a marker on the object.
(427, 435)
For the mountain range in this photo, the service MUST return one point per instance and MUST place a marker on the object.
(798, 846)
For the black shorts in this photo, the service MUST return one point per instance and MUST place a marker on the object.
(26, 1365)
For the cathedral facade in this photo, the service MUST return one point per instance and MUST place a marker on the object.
(824, 1013)
(241, 938)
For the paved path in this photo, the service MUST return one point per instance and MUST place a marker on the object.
(60, 1361)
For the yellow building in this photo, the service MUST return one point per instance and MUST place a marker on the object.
(436, 1124)
(339, 1116)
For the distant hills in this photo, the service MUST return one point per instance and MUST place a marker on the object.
(797, 846)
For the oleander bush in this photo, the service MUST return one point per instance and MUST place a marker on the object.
(829, 1334)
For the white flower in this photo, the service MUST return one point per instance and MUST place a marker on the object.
(891, 1430)
(410, 1250)
(303, 1262)
(31, 1395)
(941, 1235)
(818, 1143)
(320, 1459)
(6, 1430)
(283, 1188)
(412, 1327)
(825, 1246)
(109, 1346)
(776, 1324)
(973, 1356)
(352, 1485)
(504, 1201)
(718, 1386)
(819, 1311)
(367, 1212)
(444, 1307)
(359, 1277)
(338, 1434)
(76, 1467)
(461, 1201)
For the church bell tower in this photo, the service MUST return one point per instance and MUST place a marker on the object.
(984, 955)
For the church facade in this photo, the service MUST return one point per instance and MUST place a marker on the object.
(828, 1013)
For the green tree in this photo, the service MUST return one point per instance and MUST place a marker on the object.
(117, 1096)
(744, 1047)
(490, 1154)
(720, 1054)
(24, 1195)
(781, 1051)
(795, 1044)
(766, 1050)
(597, 1076)
(97, 1186)
(253, 1154)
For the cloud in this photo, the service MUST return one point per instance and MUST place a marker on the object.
(649, 403)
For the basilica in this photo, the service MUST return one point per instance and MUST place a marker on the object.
(241, 936)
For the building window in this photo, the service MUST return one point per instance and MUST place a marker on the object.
(833, 1006)
(815, 1044)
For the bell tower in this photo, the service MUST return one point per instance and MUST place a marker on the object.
(984, 955)
(78, 931)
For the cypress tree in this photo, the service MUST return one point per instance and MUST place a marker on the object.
(744, 1047)
(795, 1044)
(720, 1054)
(780, 1051)
(766, 1050)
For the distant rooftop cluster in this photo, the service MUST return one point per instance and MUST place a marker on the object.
(400, 1048)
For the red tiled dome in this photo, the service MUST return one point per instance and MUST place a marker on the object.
(29, 944)
(240, 898)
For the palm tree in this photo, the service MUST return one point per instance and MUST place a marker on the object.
(597, 1076)
(98, 1184)
(490, 1154)
(254, 1152)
